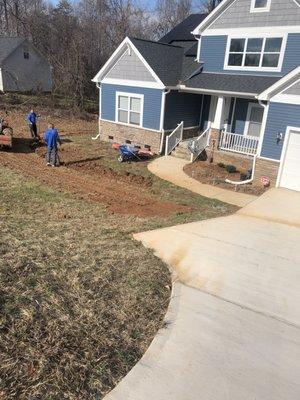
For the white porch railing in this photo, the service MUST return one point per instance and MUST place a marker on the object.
(238, 143)
(174, 139)
(196, 146)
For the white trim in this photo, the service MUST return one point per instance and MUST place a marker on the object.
(1, 80)
(132, 126)
(279, 85)
(269, 35)
(115, 57)
(183, 88)
(263, 126)
(162, 109)
(233, 112)
(264, 30)
(128, 82)
(254, 9)
(218, 117)
(198, 49)
(217, 13)
(268, 159)
(284, 151)
(212, 109)
(213, 16)
(111, 59)
(129, 95)
(286, 99)
(146, 64)
(126, 51)
(247, 122)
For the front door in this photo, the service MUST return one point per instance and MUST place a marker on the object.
(254, 120)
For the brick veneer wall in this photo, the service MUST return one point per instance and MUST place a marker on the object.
(117, 133)
(266, 168)
(242, 162)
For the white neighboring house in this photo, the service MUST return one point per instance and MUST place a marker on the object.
(22, 67)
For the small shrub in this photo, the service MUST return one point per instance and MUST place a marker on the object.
(230, 168)
(221, 165)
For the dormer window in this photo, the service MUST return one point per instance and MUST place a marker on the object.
(26, 52)
(260, 5)
(255, 53)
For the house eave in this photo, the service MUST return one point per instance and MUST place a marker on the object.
(183, 88)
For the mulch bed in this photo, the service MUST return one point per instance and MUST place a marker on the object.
(213, 174)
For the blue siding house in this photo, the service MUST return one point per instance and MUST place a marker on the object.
(229, 80)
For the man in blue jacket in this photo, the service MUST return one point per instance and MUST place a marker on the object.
(52, 140)
(32, 121)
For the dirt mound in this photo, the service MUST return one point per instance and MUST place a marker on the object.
(94, 167)
(120, 193)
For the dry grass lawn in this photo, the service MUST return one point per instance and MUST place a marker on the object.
(80, 300)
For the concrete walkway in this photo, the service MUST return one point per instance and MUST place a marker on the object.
(233, 330)
(171, 169)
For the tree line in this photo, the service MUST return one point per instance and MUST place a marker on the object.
(78, 37)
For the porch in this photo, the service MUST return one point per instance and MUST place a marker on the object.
(229, 124)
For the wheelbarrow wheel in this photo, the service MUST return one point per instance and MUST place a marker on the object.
(120, 158)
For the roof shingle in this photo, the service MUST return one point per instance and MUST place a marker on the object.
(183, 30)
(231, 83)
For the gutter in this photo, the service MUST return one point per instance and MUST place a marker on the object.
(165, 93)
(184, 88)
(98, 84)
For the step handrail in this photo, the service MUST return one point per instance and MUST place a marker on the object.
(196, 146)
(174, 138)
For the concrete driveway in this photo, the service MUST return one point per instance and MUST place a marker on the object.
(234, 317)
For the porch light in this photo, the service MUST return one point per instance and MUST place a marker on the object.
(279, 137)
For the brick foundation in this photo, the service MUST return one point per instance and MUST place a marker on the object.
(242, 162)
(266, 168)
(117, 133)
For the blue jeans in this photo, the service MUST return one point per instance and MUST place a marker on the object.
(52, 156)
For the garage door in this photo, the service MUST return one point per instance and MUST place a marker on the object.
(290, 173)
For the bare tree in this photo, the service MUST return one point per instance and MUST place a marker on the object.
(209, 5)
(169, 13)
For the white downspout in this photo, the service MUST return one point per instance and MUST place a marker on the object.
(237, 183)
(198, 48)
(162, 119)
(98, 84)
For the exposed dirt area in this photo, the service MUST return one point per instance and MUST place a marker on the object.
(120, 194)
(80, 300)
(212, 174)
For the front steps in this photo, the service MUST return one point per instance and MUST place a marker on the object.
(181, 151)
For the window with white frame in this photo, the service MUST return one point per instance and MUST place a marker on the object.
(129, 108)
(260, 5)
(254, 53)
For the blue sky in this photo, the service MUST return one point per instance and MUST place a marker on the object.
(149, 3)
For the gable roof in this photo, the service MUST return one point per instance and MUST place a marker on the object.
(164, 59)
(182, 31)
(8, 45)
(280, 85)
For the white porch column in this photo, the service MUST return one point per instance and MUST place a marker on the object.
(217, 123)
